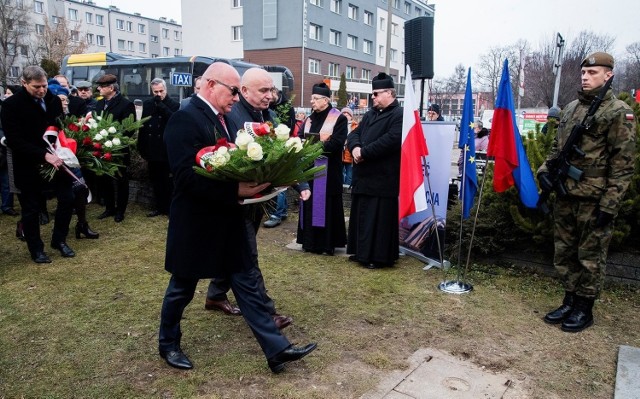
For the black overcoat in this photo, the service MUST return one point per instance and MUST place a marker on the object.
(379, 135)
(205, 233)
(119, 106)
(24, 122)
(150, 135)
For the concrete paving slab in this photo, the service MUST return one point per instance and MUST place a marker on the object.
(628, 373)
(434, 374)
(293, 245)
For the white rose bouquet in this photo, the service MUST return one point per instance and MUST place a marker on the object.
(261, 154)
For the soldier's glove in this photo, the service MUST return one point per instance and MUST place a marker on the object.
(603, 219)
(545, 181)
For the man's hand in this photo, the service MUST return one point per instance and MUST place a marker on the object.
(305, 194)
(249, 189)
(356, 154)
(54, 160)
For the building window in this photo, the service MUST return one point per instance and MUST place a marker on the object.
(154, 39)
(120, 24)
(236, 33)
(129, 26)
(142, 47)
(352, 42)
(20, 4)
(407, 8)
(396, 4)
(14, 72)
(38, 6)
(314, 66)
(367, 46)
(141, 28)
(165, 33)
(11, 49)
(353, 12)
(380, 51)
(24, 50)
(154, 55)
(334, 70)
(335, 37)
(88, 17)
(417, 12)
(350, 72)
(99, 20)
(317, 3)
(176, 35)
(177, 52)
(366, 74)
(100, 40)
(394, 29)
(368, 18)
(39, 29)
(383, 24)
(130, 45)
(75, 36)
(89, 38)
(120, 44)
(22, 27)
(315, 32)
(394, 55)
(54, 19)
(236, 3)
(73, 14)
(165, 51)
(336, 6)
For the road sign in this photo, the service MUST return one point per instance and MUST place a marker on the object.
(181, 79)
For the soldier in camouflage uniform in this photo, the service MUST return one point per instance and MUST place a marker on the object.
(584, 218)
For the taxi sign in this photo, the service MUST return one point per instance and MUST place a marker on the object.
(181, 79)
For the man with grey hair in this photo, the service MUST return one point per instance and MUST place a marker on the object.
(151, 144)
(25, 117)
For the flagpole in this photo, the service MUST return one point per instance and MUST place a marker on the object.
(435, 219)
(475, 220)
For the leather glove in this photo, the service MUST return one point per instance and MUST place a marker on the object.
(603, 219)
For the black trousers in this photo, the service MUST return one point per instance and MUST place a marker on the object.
(160, 176)
(31, 205)
(218, 287)
(245, 288)
(115, 202)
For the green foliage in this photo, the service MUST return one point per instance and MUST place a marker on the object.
(283, 110)
(50, 67)
(342, 92)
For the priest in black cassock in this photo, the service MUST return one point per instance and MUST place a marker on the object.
(375, 146)
(321, 227)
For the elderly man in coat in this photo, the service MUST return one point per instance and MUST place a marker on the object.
(207, 234)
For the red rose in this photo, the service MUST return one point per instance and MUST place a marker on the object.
(85, 128)
(87, 141)
(107, 156)
(97, 146)
(96, 154)
(262, 129)
(73, 127)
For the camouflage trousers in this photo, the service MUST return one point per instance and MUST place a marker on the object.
(580, 248)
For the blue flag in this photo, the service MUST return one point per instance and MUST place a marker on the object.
(511, 162)
(467, 141)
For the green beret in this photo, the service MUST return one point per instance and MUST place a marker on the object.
(598, 59)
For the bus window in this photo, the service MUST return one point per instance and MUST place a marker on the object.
(164, 72)
(134, 82)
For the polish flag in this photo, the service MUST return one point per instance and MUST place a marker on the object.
(413, 197)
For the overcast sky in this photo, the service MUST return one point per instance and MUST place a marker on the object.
(465, 29)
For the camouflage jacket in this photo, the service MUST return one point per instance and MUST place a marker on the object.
(609, 145)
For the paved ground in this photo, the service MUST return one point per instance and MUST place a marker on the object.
(628, 374)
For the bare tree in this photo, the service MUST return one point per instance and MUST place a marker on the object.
(13, 36)
(489, 70)
(58, 40)
(628, 69)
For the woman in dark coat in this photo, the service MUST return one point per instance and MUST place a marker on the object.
(322, 227)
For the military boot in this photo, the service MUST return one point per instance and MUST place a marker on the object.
(558, 315)
(581, 317)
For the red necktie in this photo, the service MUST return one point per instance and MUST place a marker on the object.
(224, 125)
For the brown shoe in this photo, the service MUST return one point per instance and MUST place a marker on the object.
(282, 321)
(224, 306)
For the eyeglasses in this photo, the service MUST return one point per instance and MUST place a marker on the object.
(377, 93)
(234, 90)
(84, 89)
(318, 98)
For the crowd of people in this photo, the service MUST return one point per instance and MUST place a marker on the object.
(364, 154)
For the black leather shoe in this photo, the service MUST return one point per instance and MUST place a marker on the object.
(64, 249)
(11, 212)
(560, 314)
(119, 217)
(292, 353)
(581, 317)
(154, 214)
(44, 218)
(106, 214)
(19, 231)
(40, 257)
(177, 359)
(224, 306)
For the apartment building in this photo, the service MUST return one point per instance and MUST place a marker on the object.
(317, 40)
(102, 28)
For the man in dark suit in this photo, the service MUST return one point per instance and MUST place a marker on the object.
(207, 235)
(151, 145)
(116, 104)
(375, 146)
(25, 117)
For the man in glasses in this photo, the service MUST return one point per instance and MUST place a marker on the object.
(256, 93)
(77, 107)
(375, 147)
(207, 235)
(86, 94)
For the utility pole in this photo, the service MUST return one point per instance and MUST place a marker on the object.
(387, 62)
(557, 67)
